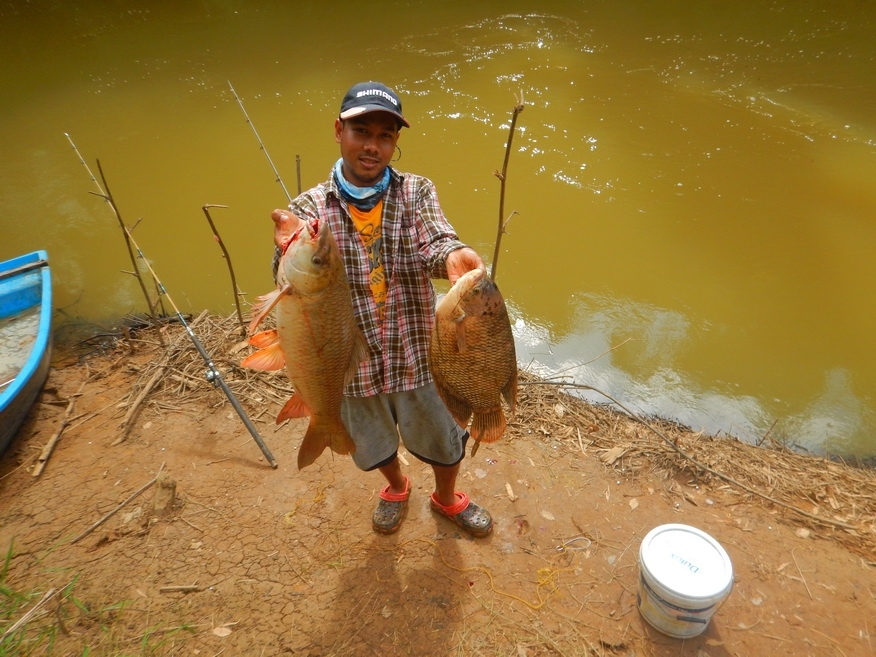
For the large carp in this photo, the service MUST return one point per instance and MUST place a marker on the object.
(316, 339)
(472, 356)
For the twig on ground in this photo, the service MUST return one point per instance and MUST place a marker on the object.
(705, 468)
(803, 579)
(114, 511)
(126, 423)
(50, 446)
(31, 612)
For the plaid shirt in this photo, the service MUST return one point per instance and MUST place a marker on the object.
(416, 241)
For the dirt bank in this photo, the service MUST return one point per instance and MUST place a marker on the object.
(252, 560)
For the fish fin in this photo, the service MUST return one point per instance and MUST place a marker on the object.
(295, 407)
(459, 408)
(488, 426)
(461, 341)
(360, 353)
(268, 359)
(321, 434)
(509, 392)
(264, 339)
(312, 446)
(265, 305)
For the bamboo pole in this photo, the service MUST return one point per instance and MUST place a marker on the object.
(106, 196)
(503, 179)
(234, 289)
(261, 144)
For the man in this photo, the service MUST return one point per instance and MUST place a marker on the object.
(394, 238)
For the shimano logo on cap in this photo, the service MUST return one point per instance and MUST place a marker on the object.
(371, 97)
(377, 92)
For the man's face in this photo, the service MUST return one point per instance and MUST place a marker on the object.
(367, 145)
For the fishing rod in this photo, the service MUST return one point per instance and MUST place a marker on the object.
(262, 146)
(212, 375)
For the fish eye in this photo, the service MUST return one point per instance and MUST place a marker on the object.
(316, 260)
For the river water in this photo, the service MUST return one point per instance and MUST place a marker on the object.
(693, 183)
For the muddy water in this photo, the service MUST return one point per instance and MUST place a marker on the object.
(696, 212)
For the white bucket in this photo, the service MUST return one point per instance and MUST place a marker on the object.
(684, 575)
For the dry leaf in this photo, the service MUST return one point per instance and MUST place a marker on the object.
(243, 344)
(547, 515)
(612, 455)
(634, 503)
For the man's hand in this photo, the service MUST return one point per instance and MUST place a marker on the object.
(462, 260)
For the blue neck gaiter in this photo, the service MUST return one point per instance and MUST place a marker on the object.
(363, 198)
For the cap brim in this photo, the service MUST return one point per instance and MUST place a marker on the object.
(365, 109)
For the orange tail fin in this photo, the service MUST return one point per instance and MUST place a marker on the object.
(488, 426)
(321, 434)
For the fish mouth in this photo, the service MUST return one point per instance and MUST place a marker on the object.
(312, 227)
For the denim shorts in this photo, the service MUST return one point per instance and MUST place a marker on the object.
(419, 417)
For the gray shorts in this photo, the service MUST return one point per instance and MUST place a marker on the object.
(419, 416)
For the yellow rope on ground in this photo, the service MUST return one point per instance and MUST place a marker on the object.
(546, 576)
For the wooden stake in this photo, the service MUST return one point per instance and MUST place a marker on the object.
(234, 289)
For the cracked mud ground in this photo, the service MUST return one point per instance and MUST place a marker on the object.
(252, 560)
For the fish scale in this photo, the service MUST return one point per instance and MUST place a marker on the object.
(472, 356)
(317, 338)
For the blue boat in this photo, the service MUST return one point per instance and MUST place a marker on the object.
(25, 337)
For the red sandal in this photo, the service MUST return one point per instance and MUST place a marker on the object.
(474, 519)
(391, 509)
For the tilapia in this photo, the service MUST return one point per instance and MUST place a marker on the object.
(472, 356)
(316, 338)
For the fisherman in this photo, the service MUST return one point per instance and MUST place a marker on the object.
(394, 238)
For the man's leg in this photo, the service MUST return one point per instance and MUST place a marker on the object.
(445, 483)
(393, 473)
(466, 514)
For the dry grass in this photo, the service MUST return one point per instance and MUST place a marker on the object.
(833, 496)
